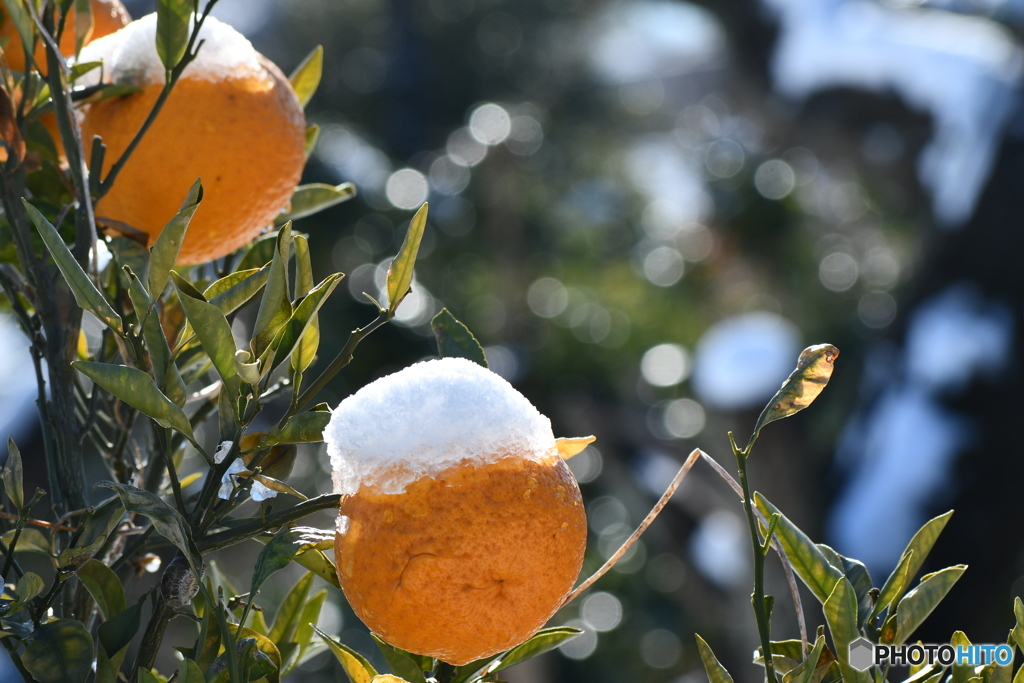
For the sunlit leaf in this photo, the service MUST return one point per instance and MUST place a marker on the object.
(315, 197)
(804, 673)
(86, 294)
(306, 76)
(961, 672)
(189, 672)
(307, 620)
(137, 389)
(233, 291)
(454, 340)
(1018, 628)
(13, 475)
(896, 585)
(401, 662)
(569, 446)
(312, 135)
(916, 605)
(164, 251)
(305, 350)
(287, 617)
(172, 30)
(806, 558)
(167, 521)
(279, 552)
(841, 616)
(921, 544)
(400, 271)
(307, 427)
(543, 641)
(303, 316)
(275, 309)
(214, 333)
(813, 370)
(357, 667)
(716, 672)
(22, 20)
(60, 652)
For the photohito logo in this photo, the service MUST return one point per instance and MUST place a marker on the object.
(864, 654)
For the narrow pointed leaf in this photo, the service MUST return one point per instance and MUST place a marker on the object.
(279, 552)
(568, 446)
(922, 543)
(118, 631)
(314, 198)
(716, 672)
(138, 390)
(312, 135)
(1018, 628)
(543, 641)
(961, 672)
(275, 308)
(454, 340)
(13, 475)
(22, 20)
(307, 620)
(96, 526)
(841, 616)
(167, 521)
(83, 22)
(807, 559)
(400, 271)
(401, 662)
(86, 294)
(316, 561)
(916, 605)
(214, 333)
(357, 667)
(896, 585)
(809, 665)
(172, 30)
(303, 317)
(813, 370)
(287, 617)
(164, 252)
(305, 350)
(235, 290)
(60, 652)
(306, 76)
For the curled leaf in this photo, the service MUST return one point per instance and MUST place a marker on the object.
(812, 373)
(569, 446)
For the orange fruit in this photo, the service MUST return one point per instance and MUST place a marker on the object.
(233, 120)
(461, 529)
(107, 16)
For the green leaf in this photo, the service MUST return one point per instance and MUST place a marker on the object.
(116, 632)
(167, 521)
(60, 652)
(543, 641)
(305, 350)
(357, 667)
(312, 135)
(233, 291)
(189, 672)
(896, 585)
(275, 309)
(104, 586)
(306, 76)
(716, 672)
(807, 559)
(804, 673)
(916, 605)
(279, 552)
(260, 252)
(813, 370)
(961, 672)
(97, 526)
(307, 620)
(400, 271)
(214, 333)
(164, 252)
(304, 317)
(12, 475)
(106, 672)
(922, 544)
(29, 586)
(83, 22)
(841, 616)
(316, 561)
(307, 427)
(401, 662)
(147, 677)
(86, 294)
(138, 390)
(314, 198)
(22, 20)
(1018, 629)
(454, 340)
(857, 574)
(287, 617)
(172, 30)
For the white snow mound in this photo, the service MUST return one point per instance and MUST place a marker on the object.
(129, 55)
(427, 418)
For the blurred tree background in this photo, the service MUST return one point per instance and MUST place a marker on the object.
(644, 210)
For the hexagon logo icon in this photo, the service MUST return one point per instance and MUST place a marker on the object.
(862, 654)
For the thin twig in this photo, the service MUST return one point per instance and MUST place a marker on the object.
(39, 523)
(241, 532)
(662, 502)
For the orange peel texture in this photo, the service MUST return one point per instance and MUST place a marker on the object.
(243, 133)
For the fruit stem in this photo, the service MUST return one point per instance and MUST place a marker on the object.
(658, 507)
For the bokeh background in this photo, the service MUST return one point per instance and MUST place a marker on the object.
(644, 209)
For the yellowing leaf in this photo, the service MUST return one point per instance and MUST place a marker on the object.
(812, 373)
(569, 446)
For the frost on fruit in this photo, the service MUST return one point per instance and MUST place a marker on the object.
(129, 56)
(427, 418)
